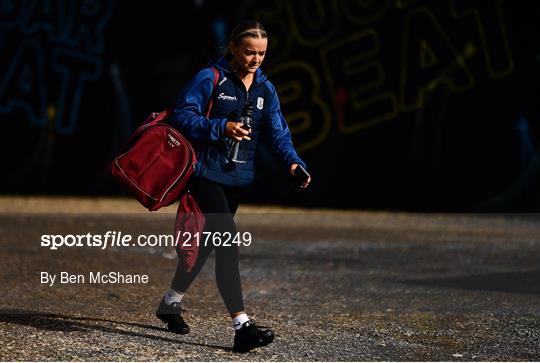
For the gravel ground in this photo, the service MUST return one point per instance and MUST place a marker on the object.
(334, 285)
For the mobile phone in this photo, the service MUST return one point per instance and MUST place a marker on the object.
(300, 174)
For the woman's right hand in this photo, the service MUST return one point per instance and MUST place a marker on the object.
(235, 131)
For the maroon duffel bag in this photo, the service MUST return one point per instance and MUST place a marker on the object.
(157, 164)
(158, 161)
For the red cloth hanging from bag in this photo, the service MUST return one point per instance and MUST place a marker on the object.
(188, 230)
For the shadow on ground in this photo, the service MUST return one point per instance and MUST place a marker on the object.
(523, 282)
(66, 323)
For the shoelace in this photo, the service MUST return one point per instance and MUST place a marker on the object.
(178, 307)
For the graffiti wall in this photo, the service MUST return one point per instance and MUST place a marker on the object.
(423, 103)
(53, 58)
(406, 104)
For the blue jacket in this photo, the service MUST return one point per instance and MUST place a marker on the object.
(229, 98)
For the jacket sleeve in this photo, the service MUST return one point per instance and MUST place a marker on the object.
(188, 114)
(279, 133)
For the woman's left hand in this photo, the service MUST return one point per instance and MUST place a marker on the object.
(305, 184)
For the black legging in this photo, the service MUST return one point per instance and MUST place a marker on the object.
(219, 204)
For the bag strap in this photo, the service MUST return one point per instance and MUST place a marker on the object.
(211, 102)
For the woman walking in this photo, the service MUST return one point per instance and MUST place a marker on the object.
(221, 174)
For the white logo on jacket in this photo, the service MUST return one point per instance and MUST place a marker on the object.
(223, 96)
(260, 103)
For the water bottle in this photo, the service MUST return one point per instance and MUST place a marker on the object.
(239, 151)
